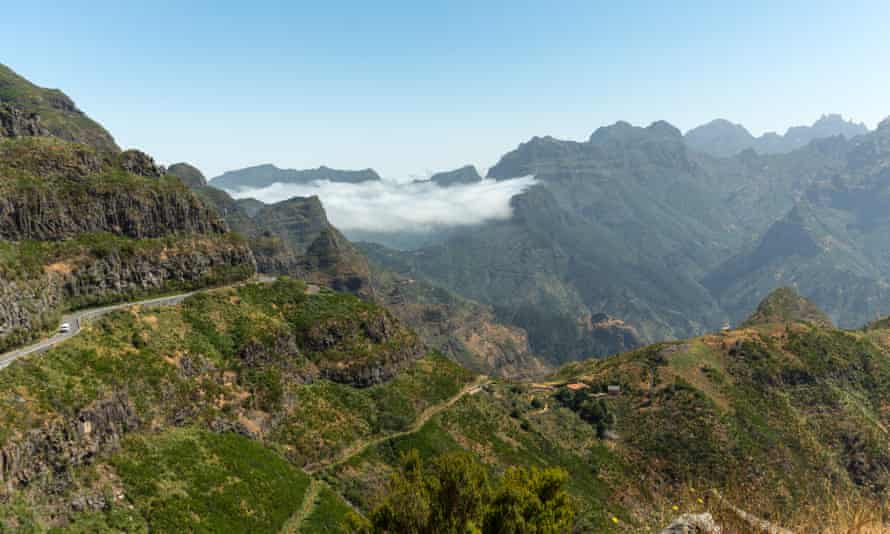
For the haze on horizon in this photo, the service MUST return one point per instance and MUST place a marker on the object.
(409, 89)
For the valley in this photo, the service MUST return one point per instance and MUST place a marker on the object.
(667, 328)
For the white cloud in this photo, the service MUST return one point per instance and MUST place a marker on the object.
(383, 206)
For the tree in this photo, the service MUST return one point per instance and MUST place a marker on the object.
(453, 494)
(531, 501)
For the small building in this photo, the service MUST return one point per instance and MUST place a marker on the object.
(613, 389)
(725, 327)
(576, 386)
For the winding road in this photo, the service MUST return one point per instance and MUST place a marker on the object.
(76, 318)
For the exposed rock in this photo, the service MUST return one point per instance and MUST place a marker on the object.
(49, 214)
(614, 334)
(28, 305)
(140, 163)
(234, 427)
(251, 206)
(191, 176)
(331, 260)
(693, 524)
(16, 123)
(395, 347)
(88, 503)
(66, 443)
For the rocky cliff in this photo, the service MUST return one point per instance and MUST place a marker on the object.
(82, 223)
(54, 190)
(66, 443)
(16, 123)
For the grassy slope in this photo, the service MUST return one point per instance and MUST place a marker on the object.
(55, 110)
(184, 364)
(781, 419)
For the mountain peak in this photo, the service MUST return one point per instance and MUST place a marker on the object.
(665, 129)
(190, 175)
(723, 138)
(623, 131)
(464, 175)
(47, 112)
(785, 305)
(268, 174)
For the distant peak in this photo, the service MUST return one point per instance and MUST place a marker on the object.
(785, 305)
(464, 175)
(665, 128)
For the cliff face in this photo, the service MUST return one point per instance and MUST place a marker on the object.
(33, 302)
(16, 123)
(81, 226)
(65, 443)
(53, 190)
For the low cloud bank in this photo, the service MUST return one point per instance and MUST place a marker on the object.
(392, 207)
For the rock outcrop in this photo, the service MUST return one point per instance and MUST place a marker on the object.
(693, 524)
(141, 164)
(66, 443)
(63, 190)
(52, 214)
(336, 345)
(31, 304)
(16, 123)
(190, 175)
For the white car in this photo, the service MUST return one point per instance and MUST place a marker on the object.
(64, 328)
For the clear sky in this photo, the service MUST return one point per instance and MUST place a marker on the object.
(417, 86)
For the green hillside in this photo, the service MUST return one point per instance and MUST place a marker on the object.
(57, 113)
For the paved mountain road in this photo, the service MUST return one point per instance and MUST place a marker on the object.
(74, 319)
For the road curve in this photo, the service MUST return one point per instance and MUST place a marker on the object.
(75, 319)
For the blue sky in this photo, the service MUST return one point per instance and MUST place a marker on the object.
(413, 87)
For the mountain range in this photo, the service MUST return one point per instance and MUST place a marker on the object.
(721, 137)
(265, 175)
(644, 234)
(353, 388)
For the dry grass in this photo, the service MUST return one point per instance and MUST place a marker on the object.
(835, 514)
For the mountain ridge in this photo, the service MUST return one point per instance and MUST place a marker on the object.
(265, 175)
(723, 138)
